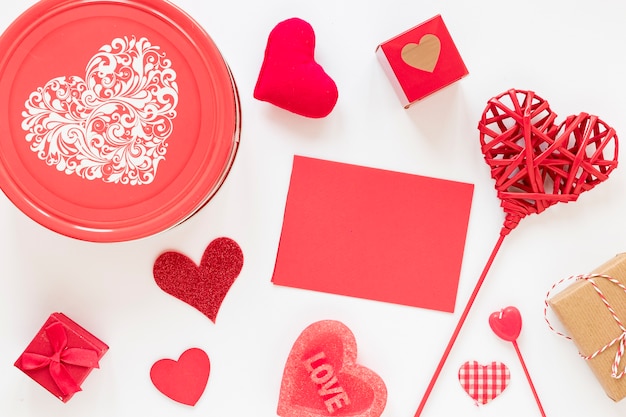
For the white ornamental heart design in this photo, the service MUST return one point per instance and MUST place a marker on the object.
(112, 125)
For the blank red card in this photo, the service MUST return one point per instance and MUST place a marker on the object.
(373, 234)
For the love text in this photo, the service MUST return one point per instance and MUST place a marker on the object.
(323, 375)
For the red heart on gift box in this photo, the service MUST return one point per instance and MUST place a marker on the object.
(321, 377)
(203, 287)
(506, 323)
(537, 163)
(184, 380)
(289, 77)
(484, 382)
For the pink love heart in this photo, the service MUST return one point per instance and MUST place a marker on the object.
(184, 380)
(506, 323)
(113, 124)
(321, 377)
(289, 77)
(483, 383)
(203, 287)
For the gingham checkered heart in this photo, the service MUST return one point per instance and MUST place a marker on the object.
(484, 382)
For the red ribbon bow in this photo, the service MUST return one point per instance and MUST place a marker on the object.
(61, 355)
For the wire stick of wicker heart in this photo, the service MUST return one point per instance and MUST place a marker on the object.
(535, 164)
(458, 327)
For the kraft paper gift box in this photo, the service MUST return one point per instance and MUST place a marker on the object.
(61, 356)
(590, 324)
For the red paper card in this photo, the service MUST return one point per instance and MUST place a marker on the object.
(373, 234)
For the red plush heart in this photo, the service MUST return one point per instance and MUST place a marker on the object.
(289, 77)
(537, 163)
(202, 287)
(484, 382)
(183, 380)
(322, 379)
(506, 323)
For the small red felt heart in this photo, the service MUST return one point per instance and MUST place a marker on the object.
(506, 323)
(321, 377)
(484, 382)
(202, 287)
(537, 163)
(289, 77)
(184, 380)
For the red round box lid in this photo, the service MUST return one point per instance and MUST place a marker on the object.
(118, 119)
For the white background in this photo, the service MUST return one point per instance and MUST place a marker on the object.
(570, 53)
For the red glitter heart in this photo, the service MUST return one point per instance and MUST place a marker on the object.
(184, 380)
(202, 287)
(537, 163)
(289, 77)
(506, 323)
(484, 382)
(322, 379)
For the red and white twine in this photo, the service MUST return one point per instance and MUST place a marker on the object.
(619, 340)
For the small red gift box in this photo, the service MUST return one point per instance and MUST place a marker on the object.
(421, 60)
(61, 356)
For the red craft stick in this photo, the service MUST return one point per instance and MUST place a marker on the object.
(530, 381)
(459, 325)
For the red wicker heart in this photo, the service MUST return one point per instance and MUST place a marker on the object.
(537, 163)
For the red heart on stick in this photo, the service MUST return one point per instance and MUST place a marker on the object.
(184, 380)
(289, 77)
(322, 379)
(506, 323)
(203, 287)
(537, 163)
